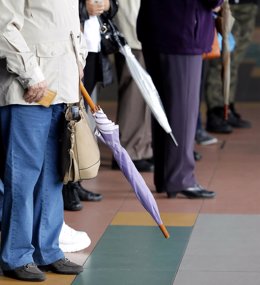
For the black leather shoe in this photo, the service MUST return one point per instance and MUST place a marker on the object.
(195, 192)
(235, 119)
(216, 122)
(238, 122)
(85, 195)
(63, 266)
(28, 272)
(71, 198)
(143, 165)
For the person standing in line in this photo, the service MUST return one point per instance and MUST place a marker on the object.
(1, 201)
(70, 240)
(133, 114)
(244, 13)
(97, 69)
(39, 45)
(174, 35)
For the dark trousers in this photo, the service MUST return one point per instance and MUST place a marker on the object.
(92, 73)
(133, 114)
(177, 79)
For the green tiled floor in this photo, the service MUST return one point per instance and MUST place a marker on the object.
(135, 255)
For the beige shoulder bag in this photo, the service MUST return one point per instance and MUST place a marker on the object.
(80, 151)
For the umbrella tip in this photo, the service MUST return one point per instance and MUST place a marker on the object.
(226, 111)
(173, 138)
(164, 231)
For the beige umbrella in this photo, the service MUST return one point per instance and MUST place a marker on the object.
(227, 23)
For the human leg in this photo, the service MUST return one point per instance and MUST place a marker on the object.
(25, 134)
(133, 114)
(48, 207)
(245, 17)
(177, 79)
(31, 221)
(1, 200)
(213, 93)
(70, 240)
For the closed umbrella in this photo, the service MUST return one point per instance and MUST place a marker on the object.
(144, 82)
(108, 133)
(147, 88)
(227, 22)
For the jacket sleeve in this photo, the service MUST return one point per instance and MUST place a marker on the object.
(83, 50)
(20, 59)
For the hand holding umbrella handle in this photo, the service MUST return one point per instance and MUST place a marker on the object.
(88, 99)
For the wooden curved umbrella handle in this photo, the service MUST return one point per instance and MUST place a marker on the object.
(88, 99)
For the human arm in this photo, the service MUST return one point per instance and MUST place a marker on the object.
(83, 53)
(20, 59)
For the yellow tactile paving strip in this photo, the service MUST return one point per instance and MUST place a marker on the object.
(144, 219)
(51, 279)
(120, 219)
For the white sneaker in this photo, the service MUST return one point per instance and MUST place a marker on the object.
(71, 240)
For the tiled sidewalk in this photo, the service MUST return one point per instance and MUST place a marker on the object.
(222, 246)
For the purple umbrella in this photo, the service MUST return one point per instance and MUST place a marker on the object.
(108, 133)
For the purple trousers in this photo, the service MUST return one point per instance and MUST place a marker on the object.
(177, 79)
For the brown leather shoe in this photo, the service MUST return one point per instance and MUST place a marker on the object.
(63, 266)
(28, 272)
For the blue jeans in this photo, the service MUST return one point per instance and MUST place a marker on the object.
(1, 198)
(33, 203)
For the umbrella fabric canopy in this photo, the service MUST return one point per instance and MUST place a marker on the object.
(108, 133)
(147, 88)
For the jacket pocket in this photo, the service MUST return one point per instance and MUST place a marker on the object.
(53, 49)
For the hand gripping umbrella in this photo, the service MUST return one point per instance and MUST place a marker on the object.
(108, 133)
(143, 81)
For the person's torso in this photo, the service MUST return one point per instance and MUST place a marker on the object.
(48, 28)
(176, 26)
(50, 20)
(126, 18)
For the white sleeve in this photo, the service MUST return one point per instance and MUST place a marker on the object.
(83, 50)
